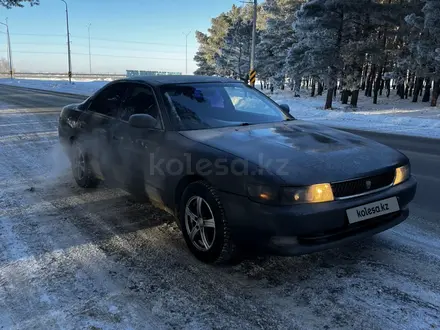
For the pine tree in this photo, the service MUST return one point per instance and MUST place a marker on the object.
(201, 57)
(431, 35)
(18, 3)
(363, 44)
(210, 44)
(234, 57)
(357, 46)
(321, 28)
(422, 49)
(213, 46)
(276, 39)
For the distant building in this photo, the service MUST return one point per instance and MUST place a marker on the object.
(133, 73)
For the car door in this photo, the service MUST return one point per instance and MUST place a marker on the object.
(134, 148)
(97, 122)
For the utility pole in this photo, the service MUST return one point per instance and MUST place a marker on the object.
(90, 52)
(254, 36)
(68, 43)
(186, 51)
(252, 71)
(9, 48)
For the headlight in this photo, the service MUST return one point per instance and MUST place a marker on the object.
(317, 193)
(402, 174)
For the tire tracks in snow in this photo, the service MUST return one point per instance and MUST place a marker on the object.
(74, 259)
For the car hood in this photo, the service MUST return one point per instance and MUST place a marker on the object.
(302, 153)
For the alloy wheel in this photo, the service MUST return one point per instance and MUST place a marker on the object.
(80, 164)
(200, 223)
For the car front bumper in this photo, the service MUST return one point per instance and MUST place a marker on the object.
(307, 228)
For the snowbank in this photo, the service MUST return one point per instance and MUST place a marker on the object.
(86, 88)
(391, 115)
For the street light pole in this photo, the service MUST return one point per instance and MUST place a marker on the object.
(9, 47)
(90, 52)
(68, 42)
(186, 51)
(254, 36)
(252, 72)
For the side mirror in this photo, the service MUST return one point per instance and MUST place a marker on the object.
(142, 121)
(285, 107)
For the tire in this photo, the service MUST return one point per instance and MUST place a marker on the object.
(211, 240)
(81, 169)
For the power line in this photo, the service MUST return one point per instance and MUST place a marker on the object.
(102, 39)
(132, 42)
(101, 55)
(100, 47)
(38, 35)
(36, 52)
(138, 57)
(135, 50)
(40, 44)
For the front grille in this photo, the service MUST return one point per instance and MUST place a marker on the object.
(362, 186)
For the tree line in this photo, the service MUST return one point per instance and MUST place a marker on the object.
(18, 3)
(351, 46)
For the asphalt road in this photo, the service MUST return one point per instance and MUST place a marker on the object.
(424, 155)
(71, 258)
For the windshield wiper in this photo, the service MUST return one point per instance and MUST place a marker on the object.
(289, 119)
(244, 124)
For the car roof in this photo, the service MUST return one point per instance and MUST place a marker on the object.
(180, 79)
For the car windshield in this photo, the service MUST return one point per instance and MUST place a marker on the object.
(213, 105)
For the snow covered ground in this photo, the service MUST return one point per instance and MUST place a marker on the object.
(391, 115)
(73, 258)
(80, 87)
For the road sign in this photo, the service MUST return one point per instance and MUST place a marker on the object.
(252, 77)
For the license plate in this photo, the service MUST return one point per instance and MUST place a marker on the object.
(373, 210)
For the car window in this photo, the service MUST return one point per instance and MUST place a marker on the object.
(211, 105)
(140, 100)
(108, 101)
(248, 102)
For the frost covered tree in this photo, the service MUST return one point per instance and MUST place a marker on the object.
(385, 19)
(357, 45)
(276, 39)
(357, 42)
(18, 3)
(298, 64)
(353, 42)
(4, 65)
(432, 26)
(234, 57)
(321, 27)
(424, 49)
(211, 44)
(204, 68)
